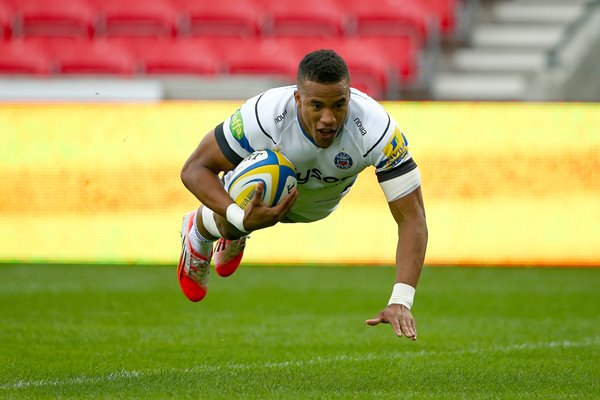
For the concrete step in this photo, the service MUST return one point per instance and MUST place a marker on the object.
(518, 36)
(489, 60)
(457, 86)
(537, 11)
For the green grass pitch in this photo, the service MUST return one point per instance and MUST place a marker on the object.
(298, 332)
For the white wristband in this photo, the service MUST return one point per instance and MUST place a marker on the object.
(402, 294)
(235, 216)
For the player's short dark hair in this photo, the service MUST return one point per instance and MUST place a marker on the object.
(322, 66)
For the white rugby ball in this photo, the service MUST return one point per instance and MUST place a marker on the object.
(272, 168)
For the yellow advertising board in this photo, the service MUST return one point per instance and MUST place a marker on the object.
(504, 184)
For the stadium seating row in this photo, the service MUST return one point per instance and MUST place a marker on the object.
(168, 18)
(382, 41)
(377, 64)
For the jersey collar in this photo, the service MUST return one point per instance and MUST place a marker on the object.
(306, 135)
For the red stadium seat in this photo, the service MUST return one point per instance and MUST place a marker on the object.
(220, 18)
(157, 18)
(7, 13)
(369, 68)
(67, 18)
(387, 18)
(314, 18)
(402, 55)
(445, 13)
(252, 56)
(20, 56)
(82, 56)
(160, 56)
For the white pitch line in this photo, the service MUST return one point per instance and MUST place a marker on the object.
(124, 374)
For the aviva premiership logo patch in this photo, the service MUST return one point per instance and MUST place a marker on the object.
(395, 150)
(343, 160)
(236, 125)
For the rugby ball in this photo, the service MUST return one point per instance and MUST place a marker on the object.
(272, 168)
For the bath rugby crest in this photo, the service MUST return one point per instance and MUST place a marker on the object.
(343, 160)
(369, 137)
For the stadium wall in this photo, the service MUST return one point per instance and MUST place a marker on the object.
(504, 184)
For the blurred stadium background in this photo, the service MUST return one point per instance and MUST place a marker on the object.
(101, 102)
(397, 49)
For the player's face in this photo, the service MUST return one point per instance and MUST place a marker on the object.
(322, 108)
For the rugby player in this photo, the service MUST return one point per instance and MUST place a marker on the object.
(330, 132)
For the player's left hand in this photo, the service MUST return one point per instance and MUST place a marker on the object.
(399, 317)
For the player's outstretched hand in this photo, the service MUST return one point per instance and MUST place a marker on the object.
(399, 317)
(258, 215)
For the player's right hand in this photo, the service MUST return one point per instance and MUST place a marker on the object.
(258, 215)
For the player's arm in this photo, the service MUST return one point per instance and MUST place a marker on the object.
(409, 214)
(200, 175)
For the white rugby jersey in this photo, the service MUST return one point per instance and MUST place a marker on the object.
(368, 137)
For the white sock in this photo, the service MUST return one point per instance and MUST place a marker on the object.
(208, 219)
(199, 242)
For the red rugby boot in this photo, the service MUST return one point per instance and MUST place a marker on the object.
(193, 270)
(228, 255)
